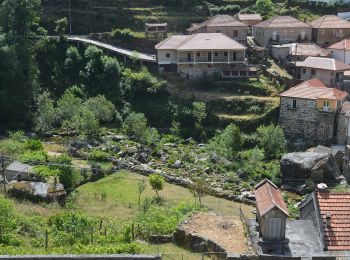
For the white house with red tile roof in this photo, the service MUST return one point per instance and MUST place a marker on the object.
(329, 213)
(308, 111)
(271, 211)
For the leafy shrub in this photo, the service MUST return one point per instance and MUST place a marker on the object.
(43, 172)
(33, 145)
(98, 155)
(271, 138)
(68, 175)
(228, 142)
(34, 156)
(122, 34)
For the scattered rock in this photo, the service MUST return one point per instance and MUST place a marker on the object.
(172, 145)
(177, 164)
(188, 140)
(118, 138)
(201, 145)
(143, 158)
(214, 158)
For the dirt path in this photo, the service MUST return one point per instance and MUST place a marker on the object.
(226, 231)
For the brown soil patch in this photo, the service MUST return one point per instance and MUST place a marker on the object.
(226, 231)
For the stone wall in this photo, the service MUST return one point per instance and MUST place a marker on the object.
(305, 121)
(325, 76)
(202, 70)
(327, 36)
(82, 257)
(286, 35)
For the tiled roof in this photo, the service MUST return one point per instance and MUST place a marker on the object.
(323, 63)
(330, 21)
(342, 45)
(156, 24)
(19, 167)
(268, 196)
(314, 89)
(337, 206)
(248, 17)
(282, 22)
(218, 20)
(200, 41)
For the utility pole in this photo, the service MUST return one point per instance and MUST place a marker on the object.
(70, 18)
(2, 159)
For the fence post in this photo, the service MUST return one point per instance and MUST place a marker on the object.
(132, 231)
(92, 235)
(46, 239)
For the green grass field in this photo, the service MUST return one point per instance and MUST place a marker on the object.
(122, 197)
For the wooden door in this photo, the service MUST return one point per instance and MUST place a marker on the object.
(275, 228)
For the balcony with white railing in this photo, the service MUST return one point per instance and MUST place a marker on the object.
(211, 57)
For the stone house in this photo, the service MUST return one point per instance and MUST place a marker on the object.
(271, 211)
(249, 19)
(280, 30)
(297, 51)
(156, 27)
(18, 171)
(343, 130)
(203, 54)
(329, 29)
(329, 214)
(340, 51)
(327, 70)
(308, 111)
(225, 24)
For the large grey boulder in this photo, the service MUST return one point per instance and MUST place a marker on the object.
(309, 165)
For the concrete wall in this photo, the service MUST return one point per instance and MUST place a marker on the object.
(327, 77)
(341, 55)
(329, 36)
(279, 52)
(163, 59)
(343, 130)
(305, 121)
(286, 35)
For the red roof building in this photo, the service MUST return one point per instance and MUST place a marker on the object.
(271, 211)
(329, 213)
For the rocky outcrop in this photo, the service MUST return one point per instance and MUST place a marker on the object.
(309, 165)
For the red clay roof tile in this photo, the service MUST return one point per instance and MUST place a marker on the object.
(337, 234)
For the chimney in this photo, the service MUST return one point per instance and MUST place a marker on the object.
(328, 219)
(322, 187)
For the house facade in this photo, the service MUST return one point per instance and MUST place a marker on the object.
(329, 214)
(327, 70)
(329, 29)
(203, 54)
(156, 27)
(340, 51)
(280, 30)
(271, 211)
(225, 24)
(308, 111)
(297, 51)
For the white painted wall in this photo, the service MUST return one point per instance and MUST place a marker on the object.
(340, 55)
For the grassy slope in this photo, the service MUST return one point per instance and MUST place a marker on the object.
(122, 197)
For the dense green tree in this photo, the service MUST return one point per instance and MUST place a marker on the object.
(18, 70)
(265, 7)
(45, 114)
(103, 109)
(199, 113)
(228, 142)
(101, 74)
(72, 66)
(135, 125)
(157, 183)
(88, 124)
(271, 138)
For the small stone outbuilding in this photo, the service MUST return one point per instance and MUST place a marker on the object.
(271, 211)
(18, 171)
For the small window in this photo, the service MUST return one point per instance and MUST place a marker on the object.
(311, 103)
(167, 55)
(216, 54)
(326, 103)
(235, 33)
(304, 71)
(294, 103)
(225, 53)
(198, 54)
(313, 72)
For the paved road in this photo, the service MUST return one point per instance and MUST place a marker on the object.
(140, 56)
